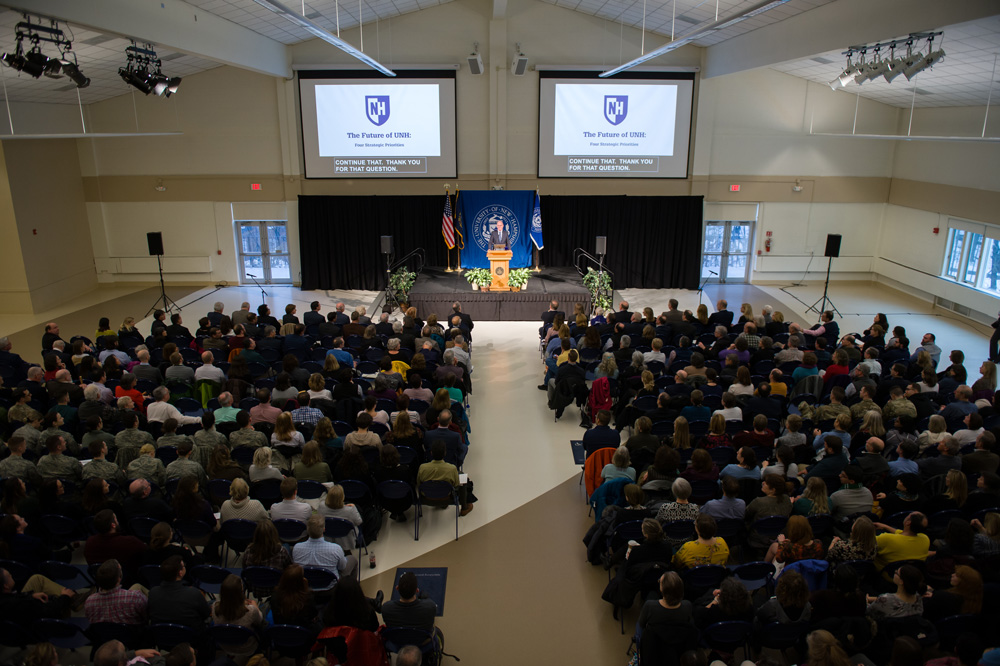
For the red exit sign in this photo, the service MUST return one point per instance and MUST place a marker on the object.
(734, 188)
(255, 187)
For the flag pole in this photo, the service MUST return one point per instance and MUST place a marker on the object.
(535, 247)
(447, 190)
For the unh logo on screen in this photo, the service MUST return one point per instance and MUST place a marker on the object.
(377, 108)
(615, 108)
(486, 222)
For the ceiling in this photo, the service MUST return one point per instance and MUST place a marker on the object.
(963, 78)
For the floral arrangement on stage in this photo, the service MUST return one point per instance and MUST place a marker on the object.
(519, 278)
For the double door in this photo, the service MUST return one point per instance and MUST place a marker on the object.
(726, 252)
(264, 252)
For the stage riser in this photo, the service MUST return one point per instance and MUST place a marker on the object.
(499, 306)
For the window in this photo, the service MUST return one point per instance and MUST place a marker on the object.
(264, 251)
(972, 255)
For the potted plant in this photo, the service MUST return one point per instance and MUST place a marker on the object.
(599, 285)
(518, 278)
(479, 278)
(401, 281)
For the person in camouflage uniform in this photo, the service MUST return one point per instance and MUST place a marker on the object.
(206, 439)
(130, 440)
(147, 466)
(95, 433)
(52, 424)
(100, 467)
(22, 411)
(185, 466)
(55, 465)
(170, 436)
(15, 466)
(31, 433)
(246, 435)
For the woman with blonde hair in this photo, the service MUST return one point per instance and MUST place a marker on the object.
(285, 433)
(825, 650)
(871, 426)
(261, 468)
(317, 387)
(717, 433)
(813, 499)
(746, 314)
(859, 546)
(702, 314)
(331, 366)
(937, 429)
(987, 538)
(682, 434)
(607, 368)
(311, 467)
(954, 496)
(239, 504)
(403, 433)
(333, 507)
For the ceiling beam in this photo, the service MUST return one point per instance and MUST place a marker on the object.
(835, 26)
(175, 25)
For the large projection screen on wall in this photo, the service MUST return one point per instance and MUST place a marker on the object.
(356, 125)
(634, 125)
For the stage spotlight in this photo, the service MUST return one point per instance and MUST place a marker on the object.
(72, 70)
(925, 62)
(165, 86)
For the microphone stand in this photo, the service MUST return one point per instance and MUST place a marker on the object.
(263, 294)
(702, 287)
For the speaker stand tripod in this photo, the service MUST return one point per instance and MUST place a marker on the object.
(168, 303)
(825, 298)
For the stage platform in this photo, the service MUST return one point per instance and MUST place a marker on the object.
(436, 289)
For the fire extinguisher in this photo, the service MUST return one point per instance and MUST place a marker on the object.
(767, 242)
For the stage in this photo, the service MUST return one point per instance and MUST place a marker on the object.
(436, 289)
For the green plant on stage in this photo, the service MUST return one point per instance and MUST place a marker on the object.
(519, 277)
(480, 277)
(401, 281)
(599, 285)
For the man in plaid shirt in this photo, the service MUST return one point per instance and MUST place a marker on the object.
(113, 604)
(305, 413)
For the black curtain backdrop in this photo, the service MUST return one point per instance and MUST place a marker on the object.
(339, 237)
(653, 242)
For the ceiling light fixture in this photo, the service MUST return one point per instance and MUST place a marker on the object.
(891, 67)
(924, 62)
(35, 63)
(312, 28)
(698, 33)
(143, 72)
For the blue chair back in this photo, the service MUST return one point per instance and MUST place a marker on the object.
(149, 574)
(705, 577)
(407, 454)
(166, 454)
(727, 636)
(771, 526)
(208, 578)
(396, 638)
(193, 529)
(230, 635)
(355, 491)
(267, 492)
(339, 527)
(778, 636)
(61, 633)
(319, 578)
(260, 578)
(289, 639)
(290, 530)
(68, 575)
(311, 489)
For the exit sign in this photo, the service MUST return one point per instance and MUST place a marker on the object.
(255, 187)
(734, 188)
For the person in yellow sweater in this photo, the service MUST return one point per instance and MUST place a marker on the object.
(706, 549)
(910, 543)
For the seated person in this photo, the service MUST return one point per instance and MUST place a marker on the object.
(439, 470)
(706, 549)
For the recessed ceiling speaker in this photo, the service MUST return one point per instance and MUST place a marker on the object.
(832, 245)
(520, 65)
(476, 64)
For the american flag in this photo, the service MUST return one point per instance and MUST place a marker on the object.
(448, 224)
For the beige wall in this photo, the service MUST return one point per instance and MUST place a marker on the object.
(49, 213)
(752, 129)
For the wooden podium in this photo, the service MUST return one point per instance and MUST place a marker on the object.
(499, 268)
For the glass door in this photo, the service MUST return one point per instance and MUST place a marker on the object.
(264, 252)
(726, 253)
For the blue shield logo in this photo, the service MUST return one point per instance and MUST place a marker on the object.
(615, 108)
(377, 108)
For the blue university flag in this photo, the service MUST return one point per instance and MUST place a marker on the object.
(536, 224)
(480, 210)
